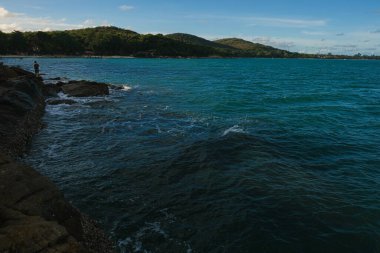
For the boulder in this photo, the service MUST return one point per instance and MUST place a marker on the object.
(85, 89)
(35, 217)
(52, 90)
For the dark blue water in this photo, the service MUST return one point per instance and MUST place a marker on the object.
(221, 155)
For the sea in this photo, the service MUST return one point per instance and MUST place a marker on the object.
(219, 155)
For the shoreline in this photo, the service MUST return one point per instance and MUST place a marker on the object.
(176, 57)
(35, 215)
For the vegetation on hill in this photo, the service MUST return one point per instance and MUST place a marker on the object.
(254, 48)
(109, 41)
(97, 41)
(195, 40)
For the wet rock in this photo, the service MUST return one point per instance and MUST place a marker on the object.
(21, 108)
(115, 87)
(60, 101)
(34, 215)
(85, 89)
(52, 90)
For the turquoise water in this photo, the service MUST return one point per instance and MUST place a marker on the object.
(221, 155)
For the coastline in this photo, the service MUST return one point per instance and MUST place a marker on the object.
(179, 57)
(35, 215)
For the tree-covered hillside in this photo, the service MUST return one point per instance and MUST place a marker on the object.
(111, 41)
(254, 48)
(107, 41)
(97, 41)
(195, 40)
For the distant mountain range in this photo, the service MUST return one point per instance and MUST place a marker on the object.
(113, 41)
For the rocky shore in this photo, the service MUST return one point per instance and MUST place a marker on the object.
(34, 215)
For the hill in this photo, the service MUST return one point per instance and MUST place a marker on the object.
(108, 41)
(195, 40)
(113, 41)
(255, 48)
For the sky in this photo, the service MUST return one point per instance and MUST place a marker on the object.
(310, 26)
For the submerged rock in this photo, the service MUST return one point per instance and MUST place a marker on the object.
(85, 89)
(60, 101)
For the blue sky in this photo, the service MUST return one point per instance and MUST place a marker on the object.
(323, 26)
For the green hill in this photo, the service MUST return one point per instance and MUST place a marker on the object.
(195, 40)
(102, 41)
(111, 41)
(255, 48)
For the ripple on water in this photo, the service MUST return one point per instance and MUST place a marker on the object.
(232, 155)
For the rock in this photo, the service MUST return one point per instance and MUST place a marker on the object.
(52, 90)
(85, 89)
(115, 87)
(21, 108)
(60, 101)
(34, 215)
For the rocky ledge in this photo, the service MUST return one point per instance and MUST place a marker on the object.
(34, 215)
(77, 89)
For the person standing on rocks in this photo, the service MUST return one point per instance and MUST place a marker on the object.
(36, 69)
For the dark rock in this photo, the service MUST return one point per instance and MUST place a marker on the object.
(55, 79)
(21, 108)
(115, 87)
(34, 215)
(52, 90)
(34, 212)
(22, 72)
(85, 89)
(60, 101)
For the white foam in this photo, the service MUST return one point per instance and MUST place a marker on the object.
(135, 242)
(126, 87)
(234, 129)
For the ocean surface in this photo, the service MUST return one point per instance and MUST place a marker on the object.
(220, 155)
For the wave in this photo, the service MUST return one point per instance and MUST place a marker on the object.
(234, 129)
(126, 87)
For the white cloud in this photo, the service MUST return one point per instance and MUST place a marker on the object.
(21, 22)
(7, 14)
(9, 27)
(314, 33)
(283, 22)
(264, 21)
(126, 7)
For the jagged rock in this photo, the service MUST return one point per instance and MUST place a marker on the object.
(21, 107)
(60, 101)
(34, 215)
(85, 89)
(51, 90)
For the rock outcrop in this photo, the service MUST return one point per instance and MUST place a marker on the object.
(21, 108)
(34, 215)
(77, 89)
(85, 89)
